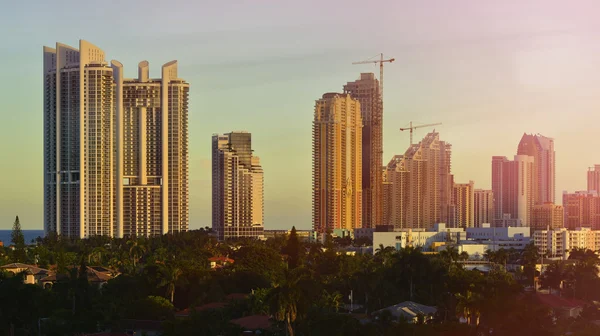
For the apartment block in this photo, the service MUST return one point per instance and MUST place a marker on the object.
(103, 137)
(547, 216)
(367, 91)
(513, 187)
(237, 187)
(558, 243)
(421, 190)
(582, 209)
(337, 163)
(484, 207)
(463, 205)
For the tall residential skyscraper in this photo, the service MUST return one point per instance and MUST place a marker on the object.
(152, 194)
(463, 203)
(512, 186)
(582, 209)
(237, 187)
(421, 184)
(366, 91)
(484, 207)
(337, 167)
(593, 178)
(542, 150)
(92, 151)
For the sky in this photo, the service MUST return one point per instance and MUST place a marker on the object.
(487, 70)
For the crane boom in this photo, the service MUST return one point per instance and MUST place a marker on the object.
(411, 128)
(380, 61)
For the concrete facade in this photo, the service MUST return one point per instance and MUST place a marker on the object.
(237, 187)
(337, 163)
(98, 128)
(366, 91)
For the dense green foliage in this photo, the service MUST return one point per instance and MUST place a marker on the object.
(304, 287)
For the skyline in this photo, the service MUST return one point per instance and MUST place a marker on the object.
(444, 72)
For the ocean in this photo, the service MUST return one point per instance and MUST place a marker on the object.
(29, 235)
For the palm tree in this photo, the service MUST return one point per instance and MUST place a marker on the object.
(170, 276)
(136, 250)
(502, 257)
(469, 306)
(287, 300)
(97, 254)
(464, 255)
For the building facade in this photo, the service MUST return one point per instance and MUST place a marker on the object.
(463, 205)
(367, 91)
(512, 186)
(484, 207)
(421, 190)
(593, 179)
(581, 209)
(558, 243)
(237, 187)
(541, 148)
(547, 216)
(87, 160)
(337, 163)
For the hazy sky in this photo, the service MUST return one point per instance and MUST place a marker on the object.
(488, 70)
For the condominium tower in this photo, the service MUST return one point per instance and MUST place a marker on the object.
(582, 209)
(512, 186)
(421, 184)
(237, 187)
(541, 148)
(593, 178)
(109, 168)
(337, 163)
(484, 207)
(367, 91)
(463, 205)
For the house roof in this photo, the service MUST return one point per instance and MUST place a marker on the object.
(32, 269)
(92, 276)
(555, 301)
(213, 305)
(409, 309)
(253, 322)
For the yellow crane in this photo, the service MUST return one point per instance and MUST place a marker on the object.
(380, 61)
(411, 128)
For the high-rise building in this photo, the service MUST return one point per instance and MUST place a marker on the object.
(484, 207)
(542, 150)
(387, 202)
(421, 184)
(337, 163)
(397, 190)
(582, 209)
(366, 91)
(547, 216)
(149, 110)
(94, 153)
(593, 178)
(237, 187)
(512, 186)
(463, 204)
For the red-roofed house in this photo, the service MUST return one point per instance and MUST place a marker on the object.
(219, 262)
(561, 305)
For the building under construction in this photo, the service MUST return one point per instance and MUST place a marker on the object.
(421, 185)
(367, 91)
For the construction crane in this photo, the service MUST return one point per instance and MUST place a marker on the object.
(380, 61)
(411, 128)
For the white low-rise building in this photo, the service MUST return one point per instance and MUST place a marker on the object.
(558, 243)
(402, 238)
